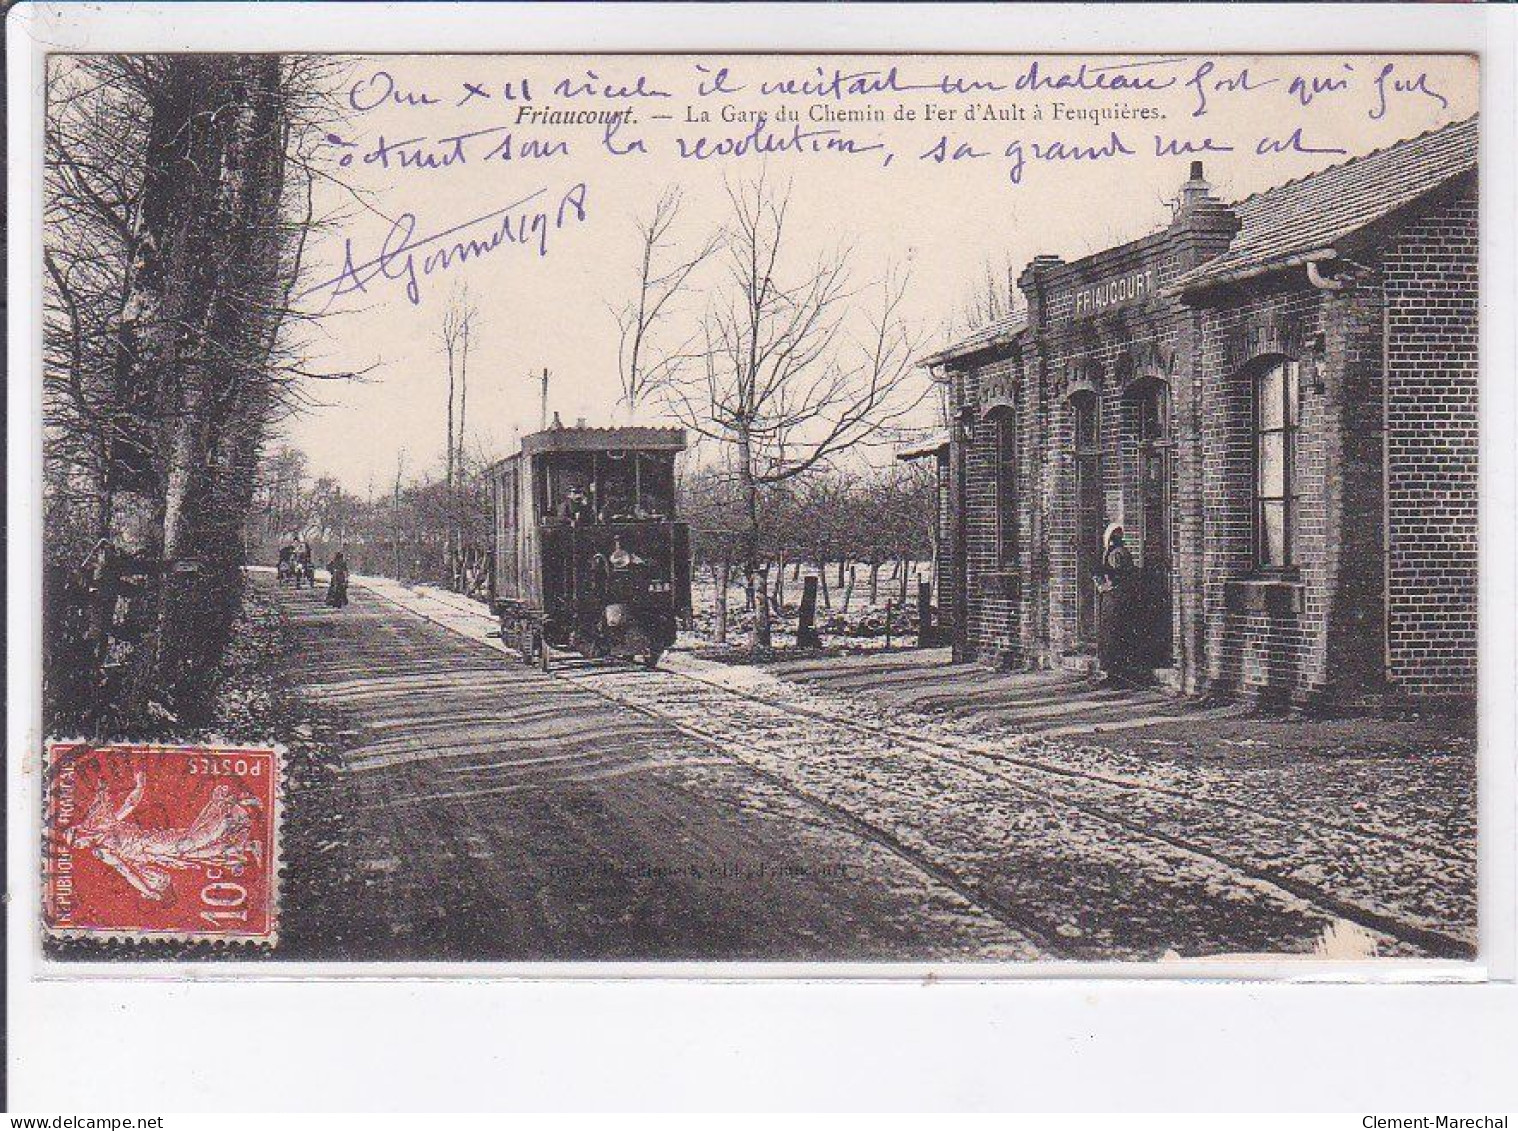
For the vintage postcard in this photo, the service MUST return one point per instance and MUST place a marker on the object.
(759, 508)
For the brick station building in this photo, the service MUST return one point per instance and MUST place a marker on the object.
(1277, 398)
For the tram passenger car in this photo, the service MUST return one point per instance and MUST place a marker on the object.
(588, 556)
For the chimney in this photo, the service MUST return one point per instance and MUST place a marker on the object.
(579, 422)
(1203, 225)
(1194, 191)
(1034, 283)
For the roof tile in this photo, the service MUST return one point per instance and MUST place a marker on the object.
(1315, 211)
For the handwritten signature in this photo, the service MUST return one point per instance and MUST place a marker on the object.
(405, 257)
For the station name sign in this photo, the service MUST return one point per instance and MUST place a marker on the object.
(1108, 294)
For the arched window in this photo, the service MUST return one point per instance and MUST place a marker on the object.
(1006, 487)
(1275, 488)
(1090, 507)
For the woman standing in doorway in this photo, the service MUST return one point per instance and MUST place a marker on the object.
(1117, 598)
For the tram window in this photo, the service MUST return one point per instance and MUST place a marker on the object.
(656, 486)
(561, 475)
(617, 493)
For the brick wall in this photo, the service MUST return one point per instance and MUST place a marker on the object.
(993, 593)
(1431, 299)
(943, 541)
(1299, 634)
(1348, 619)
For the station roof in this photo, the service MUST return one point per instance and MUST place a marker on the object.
(1000, 332)
(1304, 219)
(929, 445)
(1301, 220)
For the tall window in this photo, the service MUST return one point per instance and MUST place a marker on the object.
(1275, 457)
(1006, 487)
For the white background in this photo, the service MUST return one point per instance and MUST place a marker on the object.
(181, 1043)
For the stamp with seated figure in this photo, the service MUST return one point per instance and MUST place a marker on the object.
(146, 841)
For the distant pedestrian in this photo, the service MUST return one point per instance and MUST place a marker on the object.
(1118, 612)
(304, 569)
(337, 585)
(286, 568)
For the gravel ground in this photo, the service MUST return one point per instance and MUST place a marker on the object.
(1378, 809)
(481, 810)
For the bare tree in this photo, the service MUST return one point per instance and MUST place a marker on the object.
(395, 516)
(707, 503)
(663, 275)
(795, 369)
(174, 235)
(895, 508)
(826, 519)
(992, 296)
(457, 328)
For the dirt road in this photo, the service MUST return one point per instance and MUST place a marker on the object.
(480, 809)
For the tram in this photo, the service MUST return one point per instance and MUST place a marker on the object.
(588, 555)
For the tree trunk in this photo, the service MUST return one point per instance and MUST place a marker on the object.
(157, 291)
(763, 636)
(457, 517)
(395, 526)
(722, 576)
(756, 571)
(822, 580)
(901, 597)
(874, 583)
(449, 549)
(220, 304)
(183, 498)
(848, 593)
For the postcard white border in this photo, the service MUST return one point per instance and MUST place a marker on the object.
(815, 1042)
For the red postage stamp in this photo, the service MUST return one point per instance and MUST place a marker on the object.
(148, 841)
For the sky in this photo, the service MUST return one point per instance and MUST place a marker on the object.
(1078, 154)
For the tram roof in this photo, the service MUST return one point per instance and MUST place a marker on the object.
(578, 439)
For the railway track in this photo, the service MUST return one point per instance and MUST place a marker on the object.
(764, 735)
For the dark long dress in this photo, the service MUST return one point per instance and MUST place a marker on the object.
(337, 588)
(1117, 614)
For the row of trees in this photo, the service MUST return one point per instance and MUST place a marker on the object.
(422, 528)
(828, 522)
(833, 518)
(177, 208)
